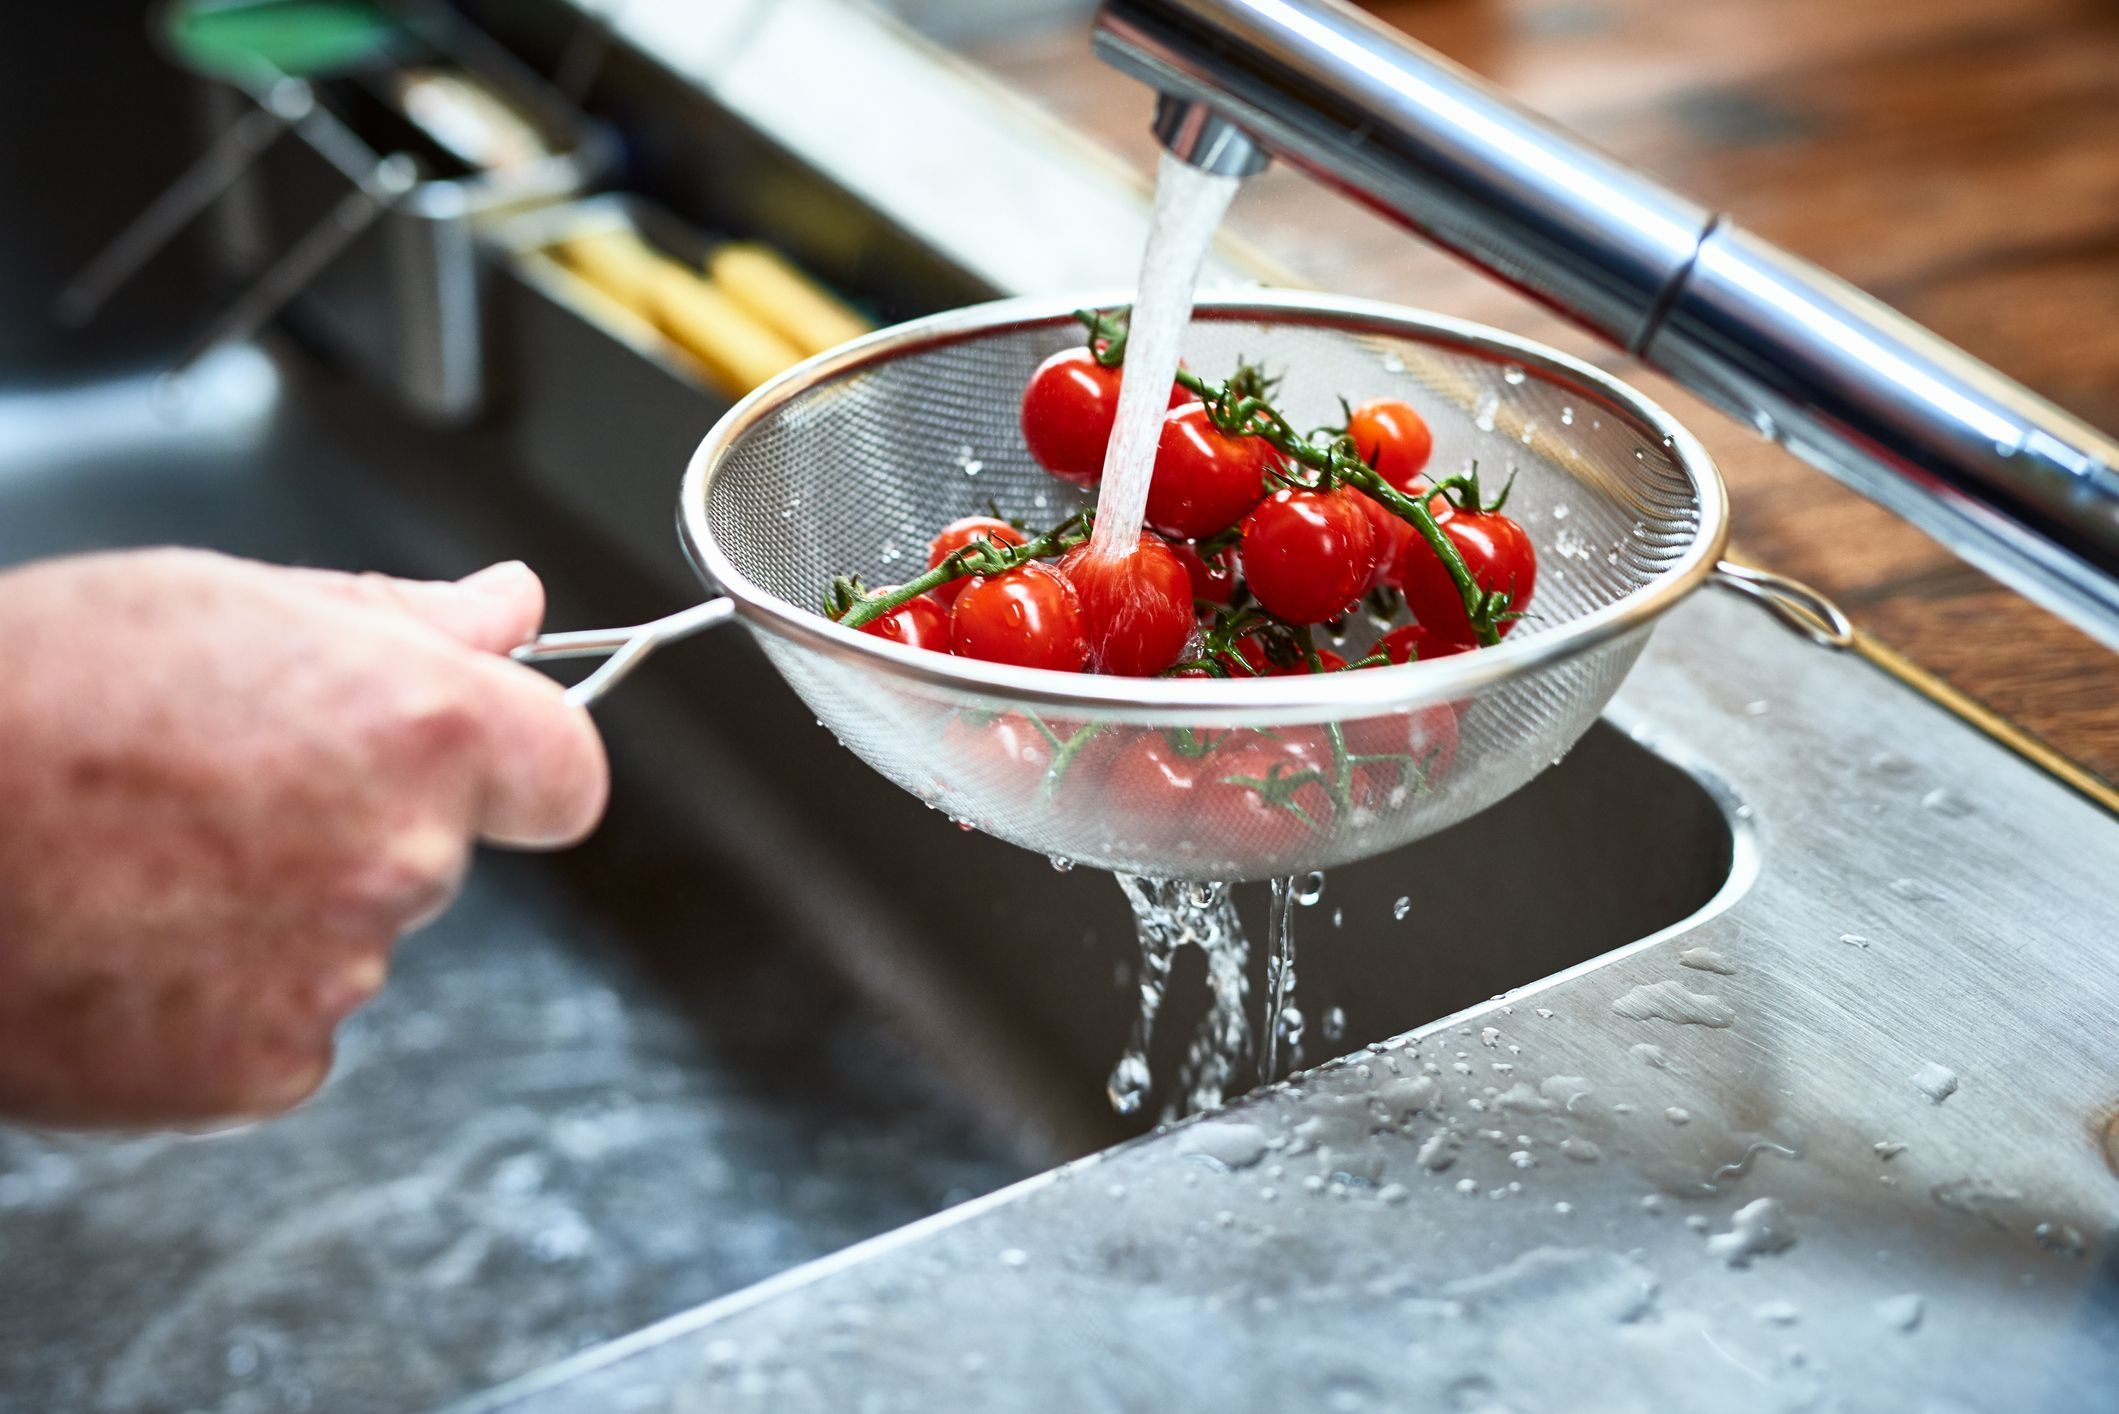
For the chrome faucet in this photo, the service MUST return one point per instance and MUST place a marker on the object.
(2004, 478)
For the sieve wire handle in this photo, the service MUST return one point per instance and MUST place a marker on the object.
(1805, 610)
(623, 649)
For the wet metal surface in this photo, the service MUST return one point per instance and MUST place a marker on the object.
(1648, 1184)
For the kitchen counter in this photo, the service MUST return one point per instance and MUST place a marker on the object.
(1845, 1140)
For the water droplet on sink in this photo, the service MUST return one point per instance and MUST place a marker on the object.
(2060, 1239)
(1706, 960)
(1947, 803)
(1402, 907)
(1489, 1036)
(1483, 411)
(1567, 417)
(1758, 707)
(1901, 1312)
(967, 461)
(1937, 1082)
(1581, 1150)
(1062, 863)
(1392, 363)
(1854, 940)
(1310, 888)
(1758, 1229)
(1888, 1149)
(1512, 374)
(1652, 1055)
(1890, 763)
(1667, 1001)
(1014, 1257)
(1677, 1115)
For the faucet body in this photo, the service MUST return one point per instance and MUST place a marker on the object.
(2004, 478)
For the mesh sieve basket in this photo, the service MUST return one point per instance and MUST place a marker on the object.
(850, 462)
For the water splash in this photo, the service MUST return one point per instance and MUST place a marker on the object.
(1283, 1024)
(1168, 915)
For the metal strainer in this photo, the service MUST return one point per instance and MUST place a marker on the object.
(851, 461)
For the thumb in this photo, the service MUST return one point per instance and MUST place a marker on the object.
(494, 610)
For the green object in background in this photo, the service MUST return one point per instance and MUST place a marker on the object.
(245, 39)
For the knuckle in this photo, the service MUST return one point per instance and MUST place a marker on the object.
(411, 876)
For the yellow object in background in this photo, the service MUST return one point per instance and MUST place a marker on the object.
(614, 260)
(781, 297)
(737, 351)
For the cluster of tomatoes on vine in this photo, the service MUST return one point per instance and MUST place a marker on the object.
(1255, 534)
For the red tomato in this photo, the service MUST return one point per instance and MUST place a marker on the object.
(1499, 555)
(1137, 608)
(1241, 797)
(1213, 579)
(959, 533)
(1006, 754)
(1393, 438)
(1390, 532)
(1415, 643)
(917, 623)
(1029, 617)
(1409, 749)
(1308, 555)
(1068, 408)
(1205, 479)
(1009, 754)
(1393, 530)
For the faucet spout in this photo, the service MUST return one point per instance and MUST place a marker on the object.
(2010, 482)
(1194, 132)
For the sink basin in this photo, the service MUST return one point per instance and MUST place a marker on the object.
(614, 1084)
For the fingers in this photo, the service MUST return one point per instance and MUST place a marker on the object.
(545, 777)
(494, 610)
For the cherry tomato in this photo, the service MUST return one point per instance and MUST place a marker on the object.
(1406, 749)
(1499, 555)
(1009, 754)
(1068, 408)
(1416, 643)
(1205, 479)
(1241, 798)
(1307, 555)
(1137, 608)
(1213, 577)
(916, 623)
(1394, 438)
(1029, 617)
(959, 533)
(1390, 532)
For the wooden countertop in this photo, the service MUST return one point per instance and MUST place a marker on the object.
(1957, 158)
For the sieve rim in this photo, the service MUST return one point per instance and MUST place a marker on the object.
(1389, 688)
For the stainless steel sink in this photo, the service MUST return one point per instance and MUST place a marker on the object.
(612, 1085)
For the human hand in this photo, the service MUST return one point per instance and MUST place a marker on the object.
(226, 789)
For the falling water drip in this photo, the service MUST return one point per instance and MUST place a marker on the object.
(1168, 915)
(1283, 1018)
(1223, 1041)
